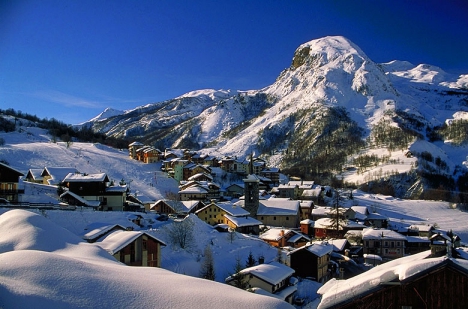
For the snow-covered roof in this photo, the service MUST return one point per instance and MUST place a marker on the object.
(422, 227)
(275, 234)
(194, 190)
(275, 206)
(318, 248)
(336, 292)
(117, 188)
(372, 233)
(243, 221)
(273, 273)
(79, 177)
(415, 239)
(135, 144)
(80, 199)
(57, 174)
(11, 168)
(98, 229)
(36, 173)
(338, 244)
(233, 209)
(116, 241)
(297, 237)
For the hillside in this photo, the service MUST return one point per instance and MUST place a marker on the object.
(330, 110)
(31, 147)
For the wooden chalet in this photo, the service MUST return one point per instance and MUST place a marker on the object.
(273, 278)
(97, 230)
(9, 183)
(414, 281)
(235, 190)
(306, 209)
(34, 175)
(96, 188)
(312, 261)
(166, 206)
(243, 224)
(330, 228)
(133, 248)
(132, 149)
(279, 237)
(55, 175)
(273, 174)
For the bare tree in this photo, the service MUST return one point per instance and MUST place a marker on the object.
(180, 232)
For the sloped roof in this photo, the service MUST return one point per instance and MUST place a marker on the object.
(178, 206)
(57, 174)
(117, 240)
(195, 190)
(319, 248)
(273, 273)
(78, 177)
(275, 206)
(98, 229)
(12, 169)
(338, 244)
(275, 234)
(336, 292)
(80, 199)
(371, 233)
(36, 173)
(243, 221)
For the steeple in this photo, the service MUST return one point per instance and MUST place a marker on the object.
(251, 190)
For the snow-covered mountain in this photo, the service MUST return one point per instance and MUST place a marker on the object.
(330, 105)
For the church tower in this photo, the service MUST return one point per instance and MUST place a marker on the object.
(251, 191)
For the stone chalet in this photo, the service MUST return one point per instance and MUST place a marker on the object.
(279, 212)
(387, 244)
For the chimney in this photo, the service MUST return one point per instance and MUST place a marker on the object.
(282, 241)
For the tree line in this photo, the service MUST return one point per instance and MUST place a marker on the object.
(57, 129)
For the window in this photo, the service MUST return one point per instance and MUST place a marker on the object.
(386, 243)
(287, 218)
(144, 244)
(274, 218)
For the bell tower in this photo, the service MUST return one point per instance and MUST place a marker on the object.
(251, 191)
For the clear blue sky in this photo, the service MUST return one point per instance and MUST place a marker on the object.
(71, 59)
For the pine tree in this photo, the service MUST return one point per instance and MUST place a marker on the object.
(207, 268)
(250, 260)
(238, 278)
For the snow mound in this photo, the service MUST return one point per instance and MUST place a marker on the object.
(43, 266)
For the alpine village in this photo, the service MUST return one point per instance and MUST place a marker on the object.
(276, 213)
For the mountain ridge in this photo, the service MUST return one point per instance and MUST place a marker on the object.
(289, 120)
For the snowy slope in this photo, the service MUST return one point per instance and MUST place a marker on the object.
(42, 267)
